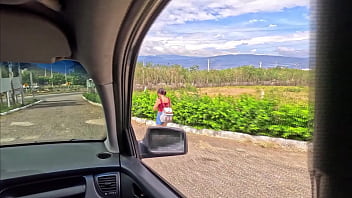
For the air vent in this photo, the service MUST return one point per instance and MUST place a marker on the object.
(107, 185)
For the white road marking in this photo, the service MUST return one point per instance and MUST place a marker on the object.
(7, 139)
(21, 124)
(96, 122)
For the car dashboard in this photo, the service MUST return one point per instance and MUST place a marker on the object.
(76, 170)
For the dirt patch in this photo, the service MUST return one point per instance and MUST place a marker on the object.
(227, 91)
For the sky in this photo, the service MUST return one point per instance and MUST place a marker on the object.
(219, 27)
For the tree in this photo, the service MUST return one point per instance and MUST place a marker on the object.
(58, 79)
(4, 70)
(77, 79)
(194, 68)
(43, 80)
(26, 77)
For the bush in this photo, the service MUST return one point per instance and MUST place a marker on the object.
(245, 114)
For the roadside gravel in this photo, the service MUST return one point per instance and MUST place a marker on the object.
(218, 167)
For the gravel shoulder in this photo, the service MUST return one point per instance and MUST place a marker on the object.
(218, 167)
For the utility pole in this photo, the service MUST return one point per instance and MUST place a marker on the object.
(208, 64)
(0, 82)
(12, 86)
(65, 74)
(208, 72)
(20, 75)
(51, 75)
(45, 72)
(31, 80)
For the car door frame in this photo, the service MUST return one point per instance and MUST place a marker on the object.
(131, 35)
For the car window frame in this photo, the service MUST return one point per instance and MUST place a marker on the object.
(132, 32)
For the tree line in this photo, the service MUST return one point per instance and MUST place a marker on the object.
(177, 76)
(40, 77)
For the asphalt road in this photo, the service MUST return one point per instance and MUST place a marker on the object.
(58, 117)
(214, 167)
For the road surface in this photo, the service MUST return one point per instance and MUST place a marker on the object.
(58, 117)
(214, 167)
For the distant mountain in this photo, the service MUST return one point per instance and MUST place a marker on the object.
(228, 61)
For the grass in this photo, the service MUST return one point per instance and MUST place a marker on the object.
(94, 97)
(5, 108)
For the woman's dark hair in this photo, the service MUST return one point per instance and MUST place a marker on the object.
(161, 91)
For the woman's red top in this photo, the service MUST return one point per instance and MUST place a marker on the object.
(162, 105)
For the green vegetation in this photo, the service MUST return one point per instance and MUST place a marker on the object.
(210, 100)
(177, 76)
(245, 114)
(92, 97)
(5, 108)
(40, 77)
(57, 79)
(272, 115)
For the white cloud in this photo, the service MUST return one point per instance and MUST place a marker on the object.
(203, 44)
(181, 11)
(170, 34)
(298, 36)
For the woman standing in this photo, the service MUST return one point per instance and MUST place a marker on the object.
(161, 102)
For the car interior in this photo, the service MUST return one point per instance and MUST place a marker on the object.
(105, 37)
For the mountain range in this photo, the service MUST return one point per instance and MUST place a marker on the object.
(227, 61)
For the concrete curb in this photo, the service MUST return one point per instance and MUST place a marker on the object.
(264, 141)
(19, 108)
(93, 103)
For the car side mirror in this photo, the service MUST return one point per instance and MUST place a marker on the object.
(163, 141)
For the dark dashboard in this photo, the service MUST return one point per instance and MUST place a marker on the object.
(74, 170)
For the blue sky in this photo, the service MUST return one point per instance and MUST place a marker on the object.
(213, 27)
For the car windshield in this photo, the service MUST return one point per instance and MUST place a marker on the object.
(48, 102)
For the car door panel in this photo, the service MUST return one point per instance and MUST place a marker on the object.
(137, 175)
(72, 170)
